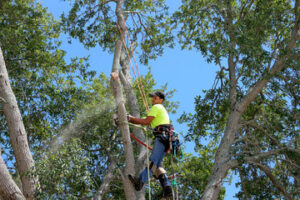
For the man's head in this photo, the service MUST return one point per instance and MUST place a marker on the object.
(157, 97)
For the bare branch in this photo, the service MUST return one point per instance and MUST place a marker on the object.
(231, 63)
(106, 180)
(131, 12)
(146, 30)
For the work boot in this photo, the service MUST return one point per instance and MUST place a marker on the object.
(167, 190)
(137, 182)
(162, 180)
(166, 193)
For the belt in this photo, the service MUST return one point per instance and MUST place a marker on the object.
(163, 129)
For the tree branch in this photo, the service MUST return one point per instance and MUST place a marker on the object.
(255, 158)
(274, 180)
(17, 133)
(242, 183)
(277, 66)
(241, 16)
(273, 139)
(119, 99)
(231, 63)
(8, 188)
(106, 180)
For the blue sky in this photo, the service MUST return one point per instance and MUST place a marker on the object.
(183, 70)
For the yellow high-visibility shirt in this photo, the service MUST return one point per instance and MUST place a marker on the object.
(160, 115)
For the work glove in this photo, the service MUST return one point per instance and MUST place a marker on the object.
(128, 117)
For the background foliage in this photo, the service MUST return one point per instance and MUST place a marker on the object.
(67, 108)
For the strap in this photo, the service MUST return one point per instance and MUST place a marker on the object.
(139, 141)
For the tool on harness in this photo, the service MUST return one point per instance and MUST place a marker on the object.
(175, 144)
(166, 133)
(163, 130)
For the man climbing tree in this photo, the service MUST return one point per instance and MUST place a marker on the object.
(159, 120)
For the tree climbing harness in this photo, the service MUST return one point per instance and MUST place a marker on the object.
(174, 147)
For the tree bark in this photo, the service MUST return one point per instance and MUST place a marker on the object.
(17, 132)
(221, 165)
(135, 111)
(122, 115)
(8, 188)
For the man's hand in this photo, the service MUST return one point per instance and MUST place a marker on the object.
(129, 117)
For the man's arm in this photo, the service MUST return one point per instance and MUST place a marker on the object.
(145, 121)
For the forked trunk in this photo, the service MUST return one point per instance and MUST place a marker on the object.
(122, 116)
(8, 188)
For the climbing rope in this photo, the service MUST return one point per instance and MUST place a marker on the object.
(171, 149)
(139, 80)
(177, 146)
(144, 99)
(142, 92)
(148, 164)
(136, 66)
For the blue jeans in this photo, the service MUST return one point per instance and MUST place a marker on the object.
(158, 153)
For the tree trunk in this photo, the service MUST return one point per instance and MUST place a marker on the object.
(135, 111)
(221, 165)
(8, 188)
(222, 159)
(18, 135)
(122, 115)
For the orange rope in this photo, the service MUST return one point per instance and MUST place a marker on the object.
(137, 69)
(140, 84)
(142, 92)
